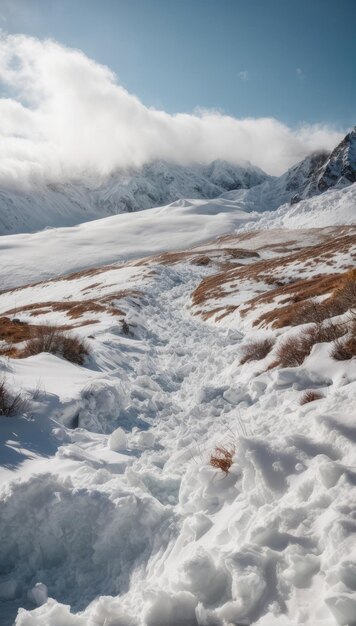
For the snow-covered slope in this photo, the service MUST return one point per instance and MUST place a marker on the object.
(111, 513)
(32, 257)
(155, 184)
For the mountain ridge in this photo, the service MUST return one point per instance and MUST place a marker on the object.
(160, 183)
(155, 184)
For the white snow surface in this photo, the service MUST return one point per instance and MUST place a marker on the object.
(70, 202)
(38, 256)
(110, 513)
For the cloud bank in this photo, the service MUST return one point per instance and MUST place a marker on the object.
(66, 115)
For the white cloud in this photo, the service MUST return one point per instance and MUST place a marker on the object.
(68, 115)
(244, 75)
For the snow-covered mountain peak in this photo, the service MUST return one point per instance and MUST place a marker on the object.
(323, 170)
(341, 166)
(155, 184)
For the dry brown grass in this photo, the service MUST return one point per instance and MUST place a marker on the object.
(286, 288)
(296, 348)
(51, 339)
(222, 458)
(14, 331)
(11, 403)
(340, 289)
(74, 309)
(310, 396)
(293, 350)
(345, 348)
(256, 350)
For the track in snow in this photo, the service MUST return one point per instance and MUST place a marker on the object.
(155, 525)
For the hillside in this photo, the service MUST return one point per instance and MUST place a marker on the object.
(39, 256)
(70, 202)
(191, 470)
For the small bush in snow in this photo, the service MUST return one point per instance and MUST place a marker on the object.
(51, 339)
(256, 350)
(221, 458)
(294, 349)
(345, 295)
(345, 348)
(310, 396)
(11, 403)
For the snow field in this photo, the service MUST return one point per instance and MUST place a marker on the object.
(123, 519)
(34, 257)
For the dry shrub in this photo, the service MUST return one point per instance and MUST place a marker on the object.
(300, 307)
(256, 350)
(310, 396)
(345, 348)
(346, 293)
(312, 313)
(221, 458)
(11, 403)
(329, 332)
(294, 349)
(342, 299)
(201, 260)
(51, 339)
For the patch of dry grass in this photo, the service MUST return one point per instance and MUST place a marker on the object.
(294, 349)
(345, 348)
(51, 339)
(222, 458)
(256, 350)
(310, 396)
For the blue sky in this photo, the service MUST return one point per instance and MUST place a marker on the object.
(292, 60)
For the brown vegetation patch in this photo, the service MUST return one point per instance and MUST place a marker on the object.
(256, 350)
(51, 339)
(76, 308)
(219, 255)
(345, 348)
(201, 260)
(14, 331)
(293, 350)
(342, 297)
(272, 272)
(92, 286)
(222, 458)
(310, 396)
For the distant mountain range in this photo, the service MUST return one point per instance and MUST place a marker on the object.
(161, 182)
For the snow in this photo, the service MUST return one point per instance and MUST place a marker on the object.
(34, 257)
(122, 521)
(110, 510)
(70, 202)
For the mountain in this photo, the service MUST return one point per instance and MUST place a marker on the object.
(160, 183)
(155, 184)
(314, 175)
(337, 169)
